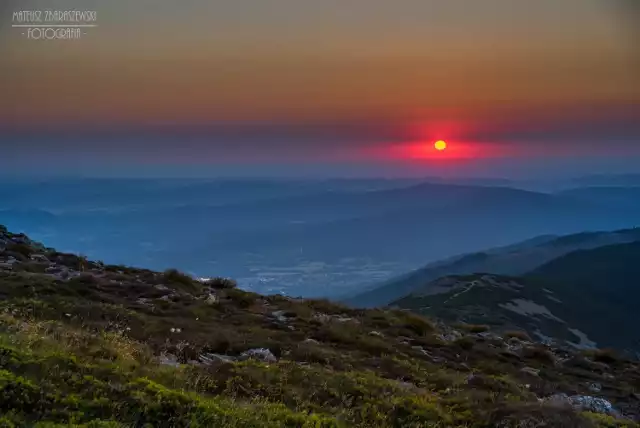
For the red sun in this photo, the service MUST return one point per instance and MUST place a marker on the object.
(440, 145)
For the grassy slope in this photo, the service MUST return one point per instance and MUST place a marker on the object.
(85, 352)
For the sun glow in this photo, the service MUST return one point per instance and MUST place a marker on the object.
(440, 145)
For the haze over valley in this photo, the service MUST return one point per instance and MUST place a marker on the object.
(331, 238)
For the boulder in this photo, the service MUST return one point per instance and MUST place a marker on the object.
(595, 387)
(592, 404)
(208, 359)
(279, 315)
(584, 403)
(530, 371)
(39, 258)
(260, 354)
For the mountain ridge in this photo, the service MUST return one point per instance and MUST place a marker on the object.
(512, 259)
(587, 295)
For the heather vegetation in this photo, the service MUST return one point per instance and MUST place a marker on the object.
(115, 346)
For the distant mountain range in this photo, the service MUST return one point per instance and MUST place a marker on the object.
(587, 297)
(300, 237)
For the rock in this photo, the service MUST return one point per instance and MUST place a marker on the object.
(407, 385)
(514, 346)
(312, 341)
(451, 336)
(595, 387)
(592, 404)
(530, 371)
(161, 287)
(488, 335)
(39, 258)
(584, 403)
(208, 359)
(376, 333)
(321, 317)
(279, 315)
(169, 360)
(211, 299)
(261, 354)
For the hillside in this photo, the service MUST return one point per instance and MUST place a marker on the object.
(88, 344)
(586, 298)
(515, 259)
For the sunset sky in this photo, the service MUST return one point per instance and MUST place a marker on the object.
(190, 82)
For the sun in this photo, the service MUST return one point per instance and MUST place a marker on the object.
(440, 145)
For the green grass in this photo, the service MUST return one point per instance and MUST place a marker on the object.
(86, 353)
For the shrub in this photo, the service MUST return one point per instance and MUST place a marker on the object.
(474, 328)
(516, 415)
(518, 334)
(328, 307)
(30, 267)
(181, 281)
(69, 260)
(606, 421)
(465, 343)
(539, 353)
(85, 279)
(221, 283)
(22, 249)
(174, 275)
(336, 333)
(607, 356)
(415, 323)
(242, 298)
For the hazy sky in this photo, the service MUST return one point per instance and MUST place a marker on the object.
(192, 81)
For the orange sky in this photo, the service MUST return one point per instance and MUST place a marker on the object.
(161, 60)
